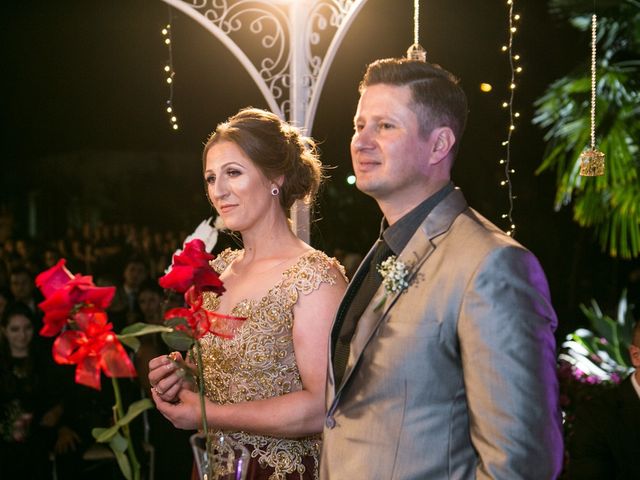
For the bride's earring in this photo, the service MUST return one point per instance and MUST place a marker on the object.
(275, 191)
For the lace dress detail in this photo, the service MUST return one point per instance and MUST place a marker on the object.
(259, 362)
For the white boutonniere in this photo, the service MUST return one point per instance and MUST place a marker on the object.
(394, 277)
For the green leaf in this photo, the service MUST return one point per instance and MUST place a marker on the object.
(135, 409)
(123, 463)
(138, 329)
(104, 435)
(118, 444)
(178, 340)
(131, 342)
(128, 334)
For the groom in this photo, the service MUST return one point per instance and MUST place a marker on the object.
(444, 366)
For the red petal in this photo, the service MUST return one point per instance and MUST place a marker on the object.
(114, 360)
(88, 372)
(93, 321)
(53, 279)
(53, 322)
(66, 345)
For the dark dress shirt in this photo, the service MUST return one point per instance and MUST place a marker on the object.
(392, 240)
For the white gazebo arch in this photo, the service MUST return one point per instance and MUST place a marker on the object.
(297, 42)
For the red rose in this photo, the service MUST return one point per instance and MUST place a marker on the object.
(78, 290)
(191, 268)
(93, 347)
(198, 324)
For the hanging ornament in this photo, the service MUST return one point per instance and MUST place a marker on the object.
(592, 159)
(415, 51)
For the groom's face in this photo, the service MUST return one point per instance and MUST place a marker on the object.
(388, 153)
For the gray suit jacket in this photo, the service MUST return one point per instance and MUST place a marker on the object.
(453, 378)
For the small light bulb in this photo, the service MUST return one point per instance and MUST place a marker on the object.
(506, 142)
(174, 119)
(167, 41)
(516, 57)
(504, 48)
(512, 170)
(517, 114)
(505, 104)
(165, 31)
(519, 69)
(512, 86)
(167, 68)
(502, 160)
(512, 127)
(516, 16)
(169, 80)
(486, 87)
(351, 179)
(169, 109)
(513, 29)
(504, 215)
(175, 126)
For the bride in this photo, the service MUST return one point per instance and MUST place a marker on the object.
(265, 386)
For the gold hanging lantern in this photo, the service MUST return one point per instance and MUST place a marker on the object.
(415, 51)
(592, 159)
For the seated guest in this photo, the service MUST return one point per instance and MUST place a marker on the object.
(606, 441)
(29, 400)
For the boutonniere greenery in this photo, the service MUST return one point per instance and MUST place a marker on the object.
(394, 277)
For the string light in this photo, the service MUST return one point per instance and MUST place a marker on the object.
(505, 161)
(169, 71)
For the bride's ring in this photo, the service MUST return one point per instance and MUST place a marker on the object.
(158, 391)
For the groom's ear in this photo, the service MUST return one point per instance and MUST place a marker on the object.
(443, 139)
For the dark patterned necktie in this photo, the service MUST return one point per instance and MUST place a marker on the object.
(361, 294)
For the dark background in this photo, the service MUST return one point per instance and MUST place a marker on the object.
(85, 136)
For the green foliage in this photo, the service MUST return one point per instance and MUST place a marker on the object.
(177, 339)
(129, 334)
(611, 203)
(118, 436)
(602, 353)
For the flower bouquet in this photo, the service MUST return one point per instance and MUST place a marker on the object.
(192, 275)
(74, 311)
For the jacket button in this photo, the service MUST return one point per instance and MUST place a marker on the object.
(330, 422)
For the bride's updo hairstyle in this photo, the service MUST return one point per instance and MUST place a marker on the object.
(277, 149)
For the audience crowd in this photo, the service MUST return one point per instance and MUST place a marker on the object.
(45, 417)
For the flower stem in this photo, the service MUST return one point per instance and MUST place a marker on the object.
(203, 413)
(135, 465)
(201, 389)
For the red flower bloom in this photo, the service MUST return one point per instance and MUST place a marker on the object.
(201, 321)
(59, 302)
(191, 268)
(53, 279)
(197, 321)
(93, 347)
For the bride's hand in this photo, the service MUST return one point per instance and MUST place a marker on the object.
(166, 377)
(185, 413)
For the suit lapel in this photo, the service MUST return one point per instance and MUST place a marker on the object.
(344, 305)
(417, 251)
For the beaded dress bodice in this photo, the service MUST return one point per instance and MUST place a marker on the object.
(259, 361)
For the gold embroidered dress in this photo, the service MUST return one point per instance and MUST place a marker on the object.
(259, 361)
